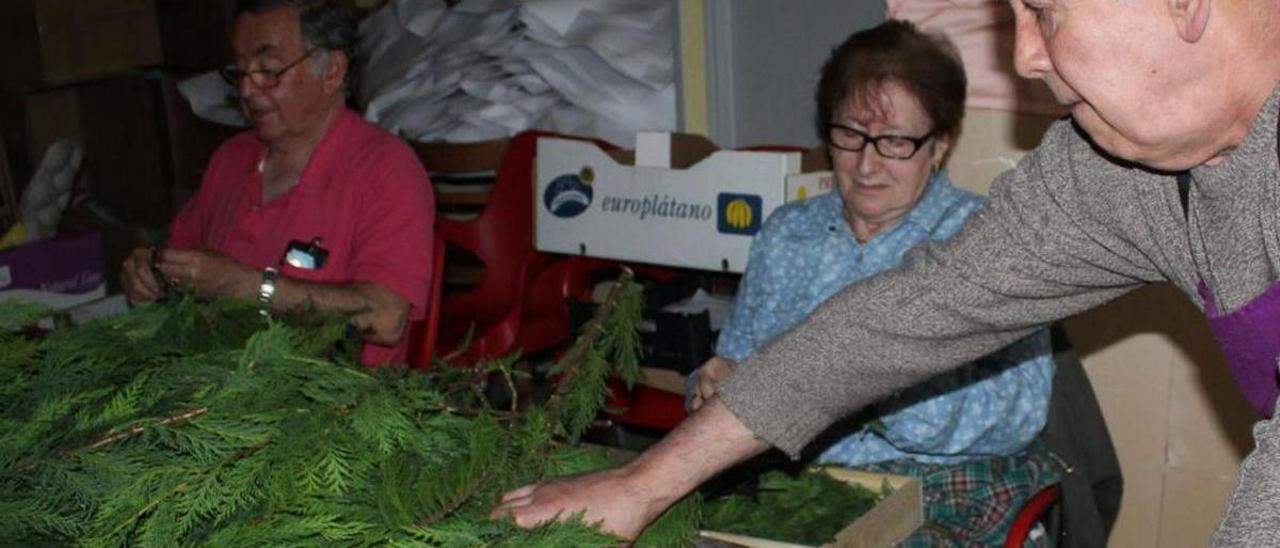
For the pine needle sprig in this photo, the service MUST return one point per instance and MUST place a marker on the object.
(463, 476)
(581, 389)
(620, 341)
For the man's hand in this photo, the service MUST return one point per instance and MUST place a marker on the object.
(712, 373)
(209, 274)
(383, 316)
(140, 284)
(614, 499)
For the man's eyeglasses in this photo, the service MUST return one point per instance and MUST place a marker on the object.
(261, 78)
(897, 147)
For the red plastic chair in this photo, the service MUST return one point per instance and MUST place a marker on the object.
(645, 406)
(1035, 510)
(506, 314)
(423, 333)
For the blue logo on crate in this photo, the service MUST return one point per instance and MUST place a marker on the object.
(738, 213)
(567, 196)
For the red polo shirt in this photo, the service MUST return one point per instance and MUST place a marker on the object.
(364, 195)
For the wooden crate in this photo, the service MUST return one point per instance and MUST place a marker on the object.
(896, 517)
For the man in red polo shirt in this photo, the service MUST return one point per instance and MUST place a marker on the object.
(312, 208)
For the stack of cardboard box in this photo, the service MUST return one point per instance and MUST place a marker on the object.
(105, 73)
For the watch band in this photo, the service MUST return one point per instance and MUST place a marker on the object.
(267, 290)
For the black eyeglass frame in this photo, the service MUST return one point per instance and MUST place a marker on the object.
(234, 75)
(916, 142)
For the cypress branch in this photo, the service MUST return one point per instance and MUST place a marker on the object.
(114, 436)
(579, 353)
(468, 475)
(234, 431)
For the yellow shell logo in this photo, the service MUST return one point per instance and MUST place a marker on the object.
(737, 214)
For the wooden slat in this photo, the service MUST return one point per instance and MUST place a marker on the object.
(477, 157)
(454, 200)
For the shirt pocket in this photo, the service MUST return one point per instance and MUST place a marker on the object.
(314, 275)
(790, 286)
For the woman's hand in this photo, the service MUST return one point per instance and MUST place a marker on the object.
(711, 374)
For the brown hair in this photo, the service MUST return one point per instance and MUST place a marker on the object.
(897, 51)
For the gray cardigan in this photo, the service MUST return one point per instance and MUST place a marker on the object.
(1066, 230)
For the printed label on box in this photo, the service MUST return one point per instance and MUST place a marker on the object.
(59, 272)
(739, 213)
(702, 217)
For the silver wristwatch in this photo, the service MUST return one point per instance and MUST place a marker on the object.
(267, 290)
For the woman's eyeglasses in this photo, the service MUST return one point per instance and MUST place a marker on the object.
(897, 147)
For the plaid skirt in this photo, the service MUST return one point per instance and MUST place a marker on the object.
(974, 503)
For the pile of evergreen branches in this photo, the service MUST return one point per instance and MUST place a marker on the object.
(809, 508)
(205, 424)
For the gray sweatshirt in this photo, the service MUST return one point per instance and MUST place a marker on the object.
(1068, 229)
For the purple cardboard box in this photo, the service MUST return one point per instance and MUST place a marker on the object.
(60, 272)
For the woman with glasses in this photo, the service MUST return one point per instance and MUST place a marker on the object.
(889, 103)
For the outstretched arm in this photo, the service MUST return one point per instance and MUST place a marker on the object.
(625, 500)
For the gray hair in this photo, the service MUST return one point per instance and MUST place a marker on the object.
(326, 25)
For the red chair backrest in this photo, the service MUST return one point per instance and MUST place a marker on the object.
(502, 238)
(423, 333)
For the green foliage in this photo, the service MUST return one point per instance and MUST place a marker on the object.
(610, 346)
(678, 526)
(620, 341)
(809, 508)
(205, 424)
(19, 313)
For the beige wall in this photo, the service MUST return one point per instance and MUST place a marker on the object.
(1179, 425)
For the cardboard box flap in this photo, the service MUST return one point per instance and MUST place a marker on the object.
(672, 150)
